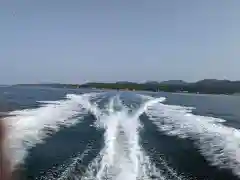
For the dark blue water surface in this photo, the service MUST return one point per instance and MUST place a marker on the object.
(61, 147)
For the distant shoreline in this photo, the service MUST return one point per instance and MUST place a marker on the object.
(207, 86)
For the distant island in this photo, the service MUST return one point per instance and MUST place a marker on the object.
(206, 86)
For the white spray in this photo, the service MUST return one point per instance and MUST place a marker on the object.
(217, 142)
(122, 157)
(29, 127)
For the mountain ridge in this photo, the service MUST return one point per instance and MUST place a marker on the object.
(208, 86)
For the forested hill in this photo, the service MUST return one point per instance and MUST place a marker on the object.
(208, 86)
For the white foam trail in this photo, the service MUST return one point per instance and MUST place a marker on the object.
(76, 164)
(122, 156)
(28, 127)
(218, 143)
(68, 170)
(148, 103)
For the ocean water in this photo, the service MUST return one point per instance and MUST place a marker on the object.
(84, 134)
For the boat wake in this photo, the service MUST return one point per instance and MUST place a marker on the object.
(28, 127)
(218, 143)
(121, 155)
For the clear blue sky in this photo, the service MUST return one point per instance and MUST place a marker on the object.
(74, 41)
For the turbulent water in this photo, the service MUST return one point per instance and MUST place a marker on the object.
(120, 135)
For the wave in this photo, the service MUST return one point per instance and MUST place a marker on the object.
(122, 157)
(218, 143)
(29, 127)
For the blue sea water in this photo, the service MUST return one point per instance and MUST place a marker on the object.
(86, 134)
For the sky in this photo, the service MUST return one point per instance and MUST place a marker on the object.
(77, 41)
